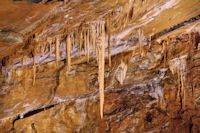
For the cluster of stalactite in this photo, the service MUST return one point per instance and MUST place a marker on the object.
(187, 69)
(193, 73)
(87, 35)
(93, 35)
(178, 66)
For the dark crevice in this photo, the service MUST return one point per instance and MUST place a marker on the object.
(37, 111)
(31, 113)
(165, 31)
(29, 1)
(18, 117)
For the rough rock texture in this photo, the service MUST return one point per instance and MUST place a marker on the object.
(48, 85)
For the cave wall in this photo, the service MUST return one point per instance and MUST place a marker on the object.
(151, 81)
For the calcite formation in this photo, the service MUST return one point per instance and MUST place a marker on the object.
(100, 66)
(68, 52)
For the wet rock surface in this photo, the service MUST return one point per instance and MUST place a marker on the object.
(150, 85)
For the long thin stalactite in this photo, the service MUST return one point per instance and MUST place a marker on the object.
(50, 48)
(93, 35)
(81, 42)
(101, 63)
(34, 69)
(109, 47)
(85, 43)
(140, 36)
(88, 46)
(57, 51)
(68, 52)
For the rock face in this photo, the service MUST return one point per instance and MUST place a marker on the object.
(104, 66)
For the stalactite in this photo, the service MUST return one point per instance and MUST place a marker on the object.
(165, 54)
(149, 41)
(178, 65)
(49, 41)
(97, 27)
(50, 48)
(94, 39)
(194, 94)
(97, 55)
(88, 46)
(42, 49)
(140, 36)
(164, 49)
(39, 47)
(34, 69)
(109, 47)
(80, 44)
(194, 40)
(23, 61)
(85, 43)
(73, 42)
(75, 39)
(126, 19)
(97, 41)
(182, 90)
(102, 27)
(57, 51)
(183, 76)
(68, 52)
(190, 83)
(178, 94)
(101, 62)
(45, 48)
